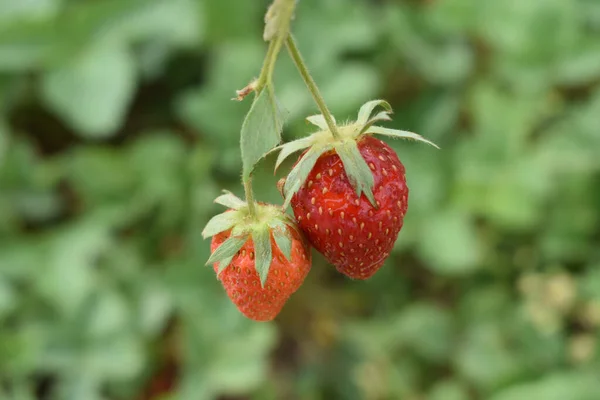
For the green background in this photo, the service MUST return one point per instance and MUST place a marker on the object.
(117, 131)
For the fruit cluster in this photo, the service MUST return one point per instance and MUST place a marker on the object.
(347, 191)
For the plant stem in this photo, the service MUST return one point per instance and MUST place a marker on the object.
(310, 83)
(250, 196)
(268, 66)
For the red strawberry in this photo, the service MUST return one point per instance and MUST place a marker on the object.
(260, 257)
(353, 235)
(242, 283)
(349, 192)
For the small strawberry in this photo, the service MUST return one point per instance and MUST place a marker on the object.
(260, 261)
(349, 192)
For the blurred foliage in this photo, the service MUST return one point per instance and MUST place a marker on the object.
(117, 131)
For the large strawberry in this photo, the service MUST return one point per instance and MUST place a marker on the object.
(261, 261)
(349, 192)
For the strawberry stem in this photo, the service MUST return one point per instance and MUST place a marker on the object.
(310, 83)
(250, 197)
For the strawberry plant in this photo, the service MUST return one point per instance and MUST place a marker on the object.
(117, 132)
(348, 190)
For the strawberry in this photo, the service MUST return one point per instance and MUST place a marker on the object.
(353, 235)
(261, 258)
(242, 283)
(349, 192)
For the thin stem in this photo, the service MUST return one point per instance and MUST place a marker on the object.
(250, 196)
(310, 83)
(268, 66)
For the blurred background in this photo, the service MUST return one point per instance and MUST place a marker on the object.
(117, 131)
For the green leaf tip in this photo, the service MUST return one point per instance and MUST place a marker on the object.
(400, 134)
(283, 238)
(229, 248)
(220, 223)
(299, 173)
(263, 253)
(230, 200)
(319, 121)
(224, 263)
(356, 168)
(365, 122)
(261, 130)
(289, 148)
(366, 110)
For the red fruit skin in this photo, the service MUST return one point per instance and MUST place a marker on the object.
(242, 283)
(353, 235)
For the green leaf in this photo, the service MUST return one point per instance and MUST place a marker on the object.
(292, 147)
(220, 223)
(261, 130)
(367, 109)
(299, 173)
(230, 200)
(319, 121)
(399, 134)
(228, 248)
(263, 253)
(358, 172)
(92, 92)
(282, 237)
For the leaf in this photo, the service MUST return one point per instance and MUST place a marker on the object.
(263, 253)
(228, 248)
(220, 223)
(299, 173)
(358, 172)
(292, 147)
(367, 109)
(92, 93)
(261, 130)
(230, 200)
(282, 238)
(319, 120)
(399, 134)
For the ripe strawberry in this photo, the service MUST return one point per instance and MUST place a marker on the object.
(349, 193)
(353, 235)
(260, 259)
(242, 283)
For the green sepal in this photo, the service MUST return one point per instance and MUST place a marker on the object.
(299, 173)
(381, 116)
(229, 248)
(282, 237)
(292, 147)
(220, 223)
(319, 121)
(399, 134)
(366, 110)
(358, 172)
(261, 130)
(224, 263)
(261, 236)
(230, 200)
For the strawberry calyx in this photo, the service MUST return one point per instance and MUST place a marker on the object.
(268, 220)
(358, 172)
